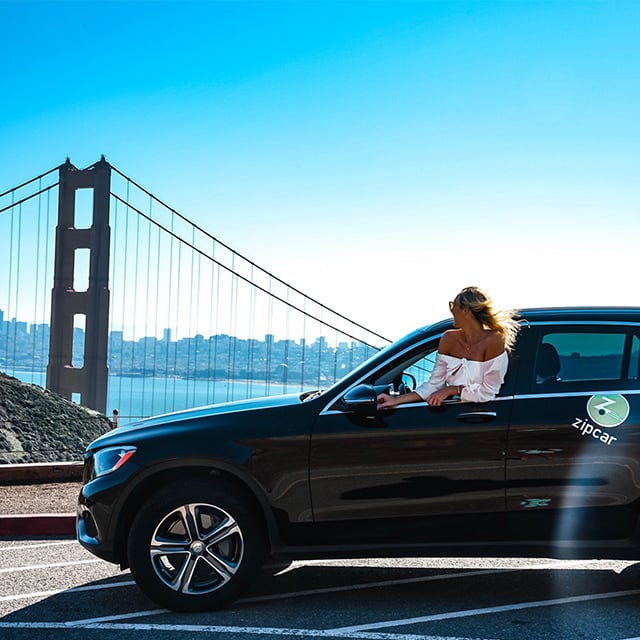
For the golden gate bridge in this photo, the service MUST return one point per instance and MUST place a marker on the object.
(112, 298)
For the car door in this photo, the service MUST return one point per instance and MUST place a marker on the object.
(414, 473)
(574, 443)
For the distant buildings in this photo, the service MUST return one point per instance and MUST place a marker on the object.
(221, 356)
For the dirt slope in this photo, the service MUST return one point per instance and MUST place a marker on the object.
(37, 425)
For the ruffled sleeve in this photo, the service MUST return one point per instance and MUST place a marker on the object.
(437, 379)
(491, 379)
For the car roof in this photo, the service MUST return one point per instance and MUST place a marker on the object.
(551, 314)
(596, 314)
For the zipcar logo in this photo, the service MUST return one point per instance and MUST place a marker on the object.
(608, 411)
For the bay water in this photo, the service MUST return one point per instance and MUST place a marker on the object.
(135, 397)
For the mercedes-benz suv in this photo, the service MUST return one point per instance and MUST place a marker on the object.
(196, 502)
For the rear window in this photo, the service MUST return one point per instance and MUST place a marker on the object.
(587, 356)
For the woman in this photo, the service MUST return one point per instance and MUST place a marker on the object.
(472, 357)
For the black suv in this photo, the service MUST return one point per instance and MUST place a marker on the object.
(197, 501)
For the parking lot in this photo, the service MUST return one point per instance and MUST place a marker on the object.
(53, 588)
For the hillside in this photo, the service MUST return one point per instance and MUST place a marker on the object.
(37, 425)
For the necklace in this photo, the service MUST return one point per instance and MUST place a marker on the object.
(467, 345)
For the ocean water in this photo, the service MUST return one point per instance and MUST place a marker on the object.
(136, 397)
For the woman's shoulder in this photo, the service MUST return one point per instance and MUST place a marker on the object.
(449, 337)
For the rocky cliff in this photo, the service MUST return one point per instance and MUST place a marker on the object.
(37, 425)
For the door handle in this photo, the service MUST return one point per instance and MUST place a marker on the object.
(477, 416)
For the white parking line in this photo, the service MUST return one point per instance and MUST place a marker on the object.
(315, 633)
(478, 612)
(50, 566)
(274, 596)
(401, 581)
(313, 592)
(38, 546)
(367, 585)
(90, 622)
(56, 592)
(365, 631)
(371, 631)
(190, 628)
(359, 631)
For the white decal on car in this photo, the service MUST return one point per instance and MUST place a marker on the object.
(608, 410)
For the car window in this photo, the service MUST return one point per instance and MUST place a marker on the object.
(408, 371)
(566, 359)
(421, 370)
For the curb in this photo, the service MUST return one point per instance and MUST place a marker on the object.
(38, 524)
(40, 472)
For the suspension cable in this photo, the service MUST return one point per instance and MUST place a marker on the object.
(24, 184)
(207, 234)
(253, 284)
(23, 200)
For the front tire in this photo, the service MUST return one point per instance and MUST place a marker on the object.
(195, 546)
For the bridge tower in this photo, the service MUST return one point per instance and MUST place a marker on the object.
(90, 380)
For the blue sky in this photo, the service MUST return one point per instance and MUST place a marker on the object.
(378, 156)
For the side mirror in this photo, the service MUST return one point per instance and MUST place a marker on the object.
(362, 399)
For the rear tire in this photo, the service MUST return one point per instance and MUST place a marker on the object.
(195, 545)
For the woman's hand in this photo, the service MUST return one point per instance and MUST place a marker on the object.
(385, 401)
(436, 398)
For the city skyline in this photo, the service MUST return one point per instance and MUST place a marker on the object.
(218, 357)
(37, 327)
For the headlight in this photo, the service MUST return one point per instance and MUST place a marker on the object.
(110, 459)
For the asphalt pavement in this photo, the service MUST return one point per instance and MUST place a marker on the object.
(54, 589)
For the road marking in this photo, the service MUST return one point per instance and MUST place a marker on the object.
(91, 622)
(306, 592)
(366, 585)
(51, 566)
(313, 592)
(273, 596)
(402, 581)
(363, 632)
(366, 632)
(56, 592)
(38, 546)
(191, 628)
(478, 612)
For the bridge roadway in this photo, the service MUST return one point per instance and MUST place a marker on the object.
(52, 588)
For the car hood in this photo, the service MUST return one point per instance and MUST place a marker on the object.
(187, 415)
(223, 407)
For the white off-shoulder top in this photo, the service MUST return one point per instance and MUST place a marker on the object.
(481, 380)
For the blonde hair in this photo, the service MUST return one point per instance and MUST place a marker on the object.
(481, 305)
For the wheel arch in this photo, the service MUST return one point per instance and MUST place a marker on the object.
(163, 475)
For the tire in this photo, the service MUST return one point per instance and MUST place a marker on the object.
(195, 545)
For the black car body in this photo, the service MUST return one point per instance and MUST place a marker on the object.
(195, 501)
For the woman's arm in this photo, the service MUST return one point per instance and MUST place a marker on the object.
(426, 389)
(386, 401)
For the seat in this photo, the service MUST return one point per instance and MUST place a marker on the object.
(548, 365)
